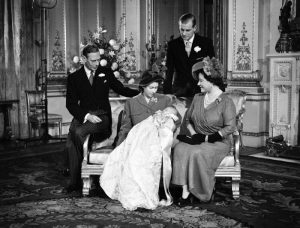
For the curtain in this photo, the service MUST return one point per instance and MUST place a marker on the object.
(16, 59)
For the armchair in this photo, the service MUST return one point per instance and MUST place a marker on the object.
(230, 165)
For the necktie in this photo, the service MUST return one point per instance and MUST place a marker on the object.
(188, 46)
(91, 78)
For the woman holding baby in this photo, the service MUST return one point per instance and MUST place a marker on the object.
(132, 171)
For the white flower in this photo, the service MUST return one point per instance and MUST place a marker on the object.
(103, 62)
(117, 74)
(131, 81)
(114, 66)
(75, 59)
(111, 53)
(112, 42)
(101, 51)
(197, 49)
(101, 75)
(100, 30)
(96, 35)
(116, 47)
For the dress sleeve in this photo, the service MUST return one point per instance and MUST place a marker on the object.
(126, 123)
(188, 113)
(229, 116)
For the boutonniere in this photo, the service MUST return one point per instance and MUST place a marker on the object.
(101, 75)
(153, 99)
(197, 49)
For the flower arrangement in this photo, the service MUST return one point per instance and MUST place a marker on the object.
(113, 55)
(213, 67)
(158, 56)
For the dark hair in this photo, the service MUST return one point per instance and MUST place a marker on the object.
(149, 77)
(186, 17)
(90, 48)
(217, 81)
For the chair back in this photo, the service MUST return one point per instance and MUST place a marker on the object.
(239, 99)
(35, 102)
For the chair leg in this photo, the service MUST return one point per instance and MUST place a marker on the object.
(235, 187)
(86, 185)
(60, 128)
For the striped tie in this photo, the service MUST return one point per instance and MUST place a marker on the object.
(188, 47)
(91, 78)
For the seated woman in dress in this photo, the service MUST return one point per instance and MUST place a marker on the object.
(132, 171)
(210, 120)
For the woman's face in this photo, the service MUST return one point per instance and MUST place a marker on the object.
(150, 89)
(204, 84)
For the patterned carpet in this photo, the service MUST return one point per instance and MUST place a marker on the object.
(31, 196)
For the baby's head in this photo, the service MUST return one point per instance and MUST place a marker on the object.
(171, 110)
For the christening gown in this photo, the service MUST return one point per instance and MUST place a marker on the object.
(132, 171)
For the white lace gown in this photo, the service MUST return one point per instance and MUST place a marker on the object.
(132, 171)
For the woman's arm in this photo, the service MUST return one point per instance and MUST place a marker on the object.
(187, 119)
(229, 115)
(126, 123)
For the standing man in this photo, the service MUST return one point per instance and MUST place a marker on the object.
(87, 100)
(182, 53)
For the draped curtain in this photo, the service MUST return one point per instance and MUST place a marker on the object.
(16, 59)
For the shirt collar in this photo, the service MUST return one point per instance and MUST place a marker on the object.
(87, 71)
(190, 40)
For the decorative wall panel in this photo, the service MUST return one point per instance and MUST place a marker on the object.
(243, 43)
(284, 93)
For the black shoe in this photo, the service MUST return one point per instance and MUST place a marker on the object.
(186, 202)
(72, 188)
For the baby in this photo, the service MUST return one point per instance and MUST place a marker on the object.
(166, 118)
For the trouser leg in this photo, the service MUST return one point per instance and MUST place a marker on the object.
(78, 133)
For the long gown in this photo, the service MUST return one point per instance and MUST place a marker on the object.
(133, 169)
(195, 165)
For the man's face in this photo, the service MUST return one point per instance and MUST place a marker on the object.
(92, 61)
(187, 30)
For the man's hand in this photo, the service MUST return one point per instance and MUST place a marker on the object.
(93, 118)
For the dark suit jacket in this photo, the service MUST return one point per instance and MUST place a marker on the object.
(179, 63)
(137, 110)
(83, 98)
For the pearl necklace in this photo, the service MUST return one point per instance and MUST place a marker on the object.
(208, 101)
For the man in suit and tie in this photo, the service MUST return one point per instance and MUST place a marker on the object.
(182, 53)
(87, 100)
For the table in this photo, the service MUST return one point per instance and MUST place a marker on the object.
(5, 107)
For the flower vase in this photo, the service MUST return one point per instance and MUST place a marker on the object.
(284, 44)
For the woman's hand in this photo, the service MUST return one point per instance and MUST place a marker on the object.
(215, 137)
(194, 140)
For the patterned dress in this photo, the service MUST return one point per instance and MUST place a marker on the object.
(195, 165)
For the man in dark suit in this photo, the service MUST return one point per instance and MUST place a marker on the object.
(88, 101)
(182, 53)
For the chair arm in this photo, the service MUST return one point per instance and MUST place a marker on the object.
(237, 143)
(86, 148)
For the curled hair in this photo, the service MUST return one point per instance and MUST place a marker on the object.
(217, 81)
(90, 48)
